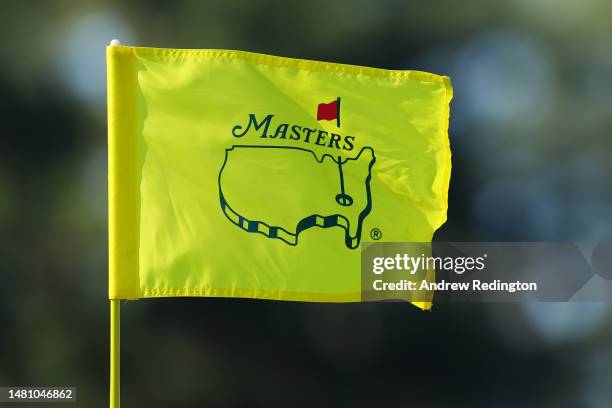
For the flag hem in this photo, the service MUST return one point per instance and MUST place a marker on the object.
(443, 184)
(282, 62)
(290, 296)
(123, 177)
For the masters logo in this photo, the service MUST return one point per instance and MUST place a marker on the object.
(334, 186)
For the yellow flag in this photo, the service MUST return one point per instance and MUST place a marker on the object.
(234, 174)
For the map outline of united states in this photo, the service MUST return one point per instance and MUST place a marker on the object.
(290, 234)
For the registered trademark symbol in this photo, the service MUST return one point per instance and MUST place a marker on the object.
(375, 234)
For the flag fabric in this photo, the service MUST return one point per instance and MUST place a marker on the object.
(223, 182)
(329, 111)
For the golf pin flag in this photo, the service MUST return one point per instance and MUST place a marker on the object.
(329, 111)
(231, 174)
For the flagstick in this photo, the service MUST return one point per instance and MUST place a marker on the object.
(338, 113)
(115, 320)
(115, 331)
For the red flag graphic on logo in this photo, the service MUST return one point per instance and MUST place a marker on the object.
(329, 111)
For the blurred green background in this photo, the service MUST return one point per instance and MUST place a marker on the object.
(530, 133)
